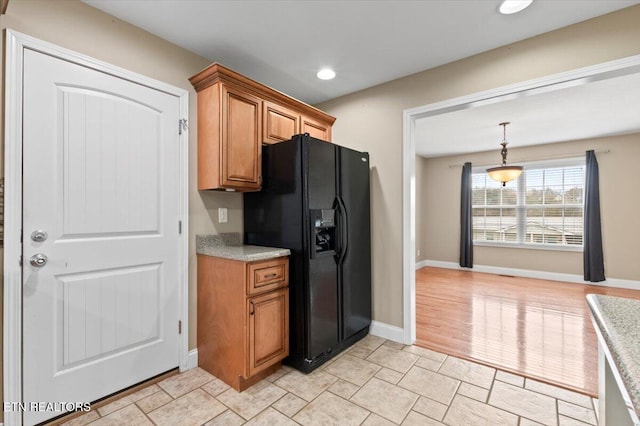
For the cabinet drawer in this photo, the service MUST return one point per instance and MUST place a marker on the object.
(268, 275)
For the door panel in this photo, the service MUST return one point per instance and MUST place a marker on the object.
(280, 123)
(322, 282)
(241, 147)
(315, 129)
(268, 329)
(108, 189)
(356, 268)
(100, 176)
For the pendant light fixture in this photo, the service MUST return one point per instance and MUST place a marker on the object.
(504, 173)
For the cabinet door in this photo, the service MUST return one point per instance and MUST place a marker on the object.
(279, 123)
(241, 146)
(315, 129)
(268, 329)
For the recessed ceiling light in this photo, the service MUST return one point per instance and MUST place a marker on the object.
(507, 7)
(326, 74)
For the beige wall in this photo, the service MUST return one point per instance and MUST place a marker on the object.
(372, 119)
(79, 27)
(439, 228)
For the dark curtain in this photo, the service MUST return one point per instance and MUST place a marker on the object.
(593, 257)
(466, 224)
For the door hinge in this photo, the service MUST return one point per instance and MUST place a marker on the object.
(179, 227)
(179, 327)
(183, 125)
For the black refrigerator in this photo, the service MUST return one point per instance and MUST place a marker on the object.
(315, 202)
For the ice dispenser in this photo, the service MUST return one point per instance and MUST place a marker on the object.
(323, 232)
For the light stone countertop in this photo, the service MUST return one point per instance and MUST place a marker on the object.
(229, 246)
(618, 320)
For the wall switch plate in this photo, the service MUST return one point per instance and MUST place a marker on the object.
(418, 252)
(222, 215)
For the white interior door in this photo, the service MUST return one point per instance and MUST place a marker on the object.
(101, 179)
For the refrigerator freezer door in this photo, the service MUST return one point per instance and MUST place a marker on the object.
(322, 313)
(355, 277)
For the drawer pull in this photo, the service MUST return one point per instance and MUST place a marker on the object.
(271, 275)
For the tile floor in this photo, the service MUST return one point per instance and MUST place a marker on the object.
(376, 382)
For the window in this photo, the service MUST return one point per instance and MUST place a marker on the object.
(543, 207)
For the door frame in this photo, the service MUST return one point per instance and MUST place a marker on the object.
(16, 43)
(552, 82)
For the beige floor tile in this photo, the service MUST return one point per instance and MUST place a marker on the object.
(417, 419)
(426, 353)
(469, 412)
(387, 400)
(467, 371)
(329, 409)
(129, 415)
(430, 408)
(359, 352)
(228, 418)
(527, 422)
(376, 420)
(512, 379)
(569, 421)
(126, 400)
(289, 404)
(343, 388)
(352, 369)
(473, 392)
(525, 403)
(194, 408)
(154, 401)
(281, 372)
(183, 383)
(390, 376)
(394, 359)
(215, 387)
(577, 412)
(306, 386)
(394, 345)
(253, 400)
(83, 419)
(432, 385)
(370, 342)
(271, 417)
(428, 363)
(558, 393)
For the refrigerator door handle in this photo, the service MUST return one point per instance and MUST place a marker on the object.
(344, 225)
(339, 226)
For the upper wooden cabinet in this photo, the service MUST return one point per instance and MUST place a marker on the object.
(316, 129)
(280, 123)
(236, 115)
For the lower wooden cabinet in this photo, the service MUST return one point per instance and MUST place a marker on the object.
(243, 318)
(268, 329)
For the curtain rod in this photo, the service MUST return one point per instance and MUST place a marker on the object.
(556, 157)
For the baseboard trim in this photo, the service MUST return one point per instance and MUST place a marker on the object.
(192, 359)
(421, 264)
(527, 273)
(386, 331)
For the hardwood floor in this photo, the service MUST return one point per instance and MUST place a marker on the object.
(536, 328)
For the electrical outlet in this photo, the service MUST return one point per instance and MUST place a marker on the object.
(222, 215)
(418, 252)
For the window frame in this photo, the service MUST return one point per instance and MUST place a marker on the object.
(521, 206)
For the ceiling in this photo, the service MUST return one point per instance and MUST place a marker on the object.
(560, 113)
(284, 43)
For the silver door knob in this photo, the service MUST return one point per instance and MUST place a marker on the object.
(38, 260)
(39, 235)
